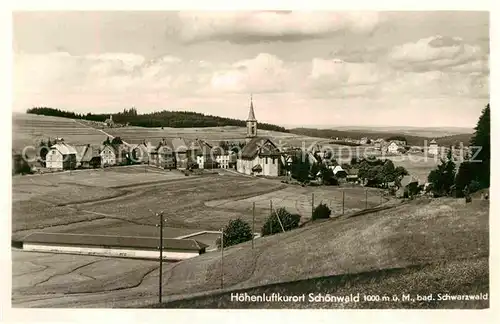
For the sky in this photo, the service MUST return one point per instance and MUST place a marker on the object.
(318, 68)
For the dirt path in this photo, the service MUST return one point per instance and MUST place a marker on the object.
(99, 130)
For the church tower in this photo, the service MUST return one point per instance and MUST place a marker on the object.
(251, 123)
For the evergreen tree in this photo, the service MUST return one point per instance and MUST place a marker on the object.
(481, 140)
(442, 179)
(237, 231)
(300, 168)
(273, 226)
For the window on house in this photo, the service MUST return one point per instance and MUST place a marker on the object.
(266, 159)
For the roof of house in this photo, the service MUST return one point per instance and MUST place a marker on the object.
(261, 146)
(433, 142)
(199, 147)
(64, 149)
(137, 242)
(123, 148)
(85, 153)
(164, 144)
(408, 179)
(338, 168)
(90, 153)
(179, 145)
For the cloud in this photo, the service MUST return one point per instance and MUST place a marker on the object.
(122, 79)
(436, 84)
(253, 27)
(265, 73)
(434, 53)
(338, 78)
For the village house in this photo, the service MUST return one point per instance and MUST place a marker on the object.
(433, 148)
(114, 154)
(202, 153)
(162, 156)
(61, 156)
(408, 187)
(109, 122)
(352, 175)
(141, 153)
(180, 152)
(223, 160)
(87, 156)
(260, 156)
(338, 172)
(393, 148)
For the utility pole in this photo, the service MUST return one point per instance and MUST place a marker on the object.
(253, 223)
(160, 247)
(222, 258)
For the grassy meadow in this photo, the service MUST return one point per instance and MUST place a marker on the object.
(422, 247)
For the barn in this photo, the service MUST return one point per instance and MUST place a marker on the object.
(61, 157)
(114, 246)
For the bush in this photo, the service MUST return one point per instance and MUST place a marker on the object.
(237, 231)
(321, 212)
(272, 224)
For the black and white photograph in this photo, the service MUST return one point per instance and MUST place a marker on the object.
(263, 159)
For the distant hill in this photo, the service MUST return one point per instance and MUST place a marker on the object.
(358, 134)
(175, 119)
(410, 130)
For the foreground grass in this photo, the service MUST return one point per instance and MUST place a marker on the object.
(460, 277)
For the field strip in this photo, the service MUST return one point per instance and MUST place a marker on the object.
(44, 267)
(158, 182)
(116, 217)
(66, 272)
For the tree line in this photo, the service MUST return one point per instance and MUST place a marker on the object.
(472, 174)
(175, 119)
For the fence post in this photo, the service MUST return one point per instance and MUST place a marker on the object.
(366, 198)
(222, 259)
(270, 217)
(312, 205)
(343, 201)
(253, 223)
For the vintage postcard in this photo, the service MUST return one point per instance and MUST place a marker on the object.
(251, 159)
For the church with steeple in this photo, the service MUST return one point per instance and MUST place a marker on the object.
(260, 156)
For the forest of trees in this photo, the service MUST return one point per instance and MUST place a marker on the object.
(176, 119)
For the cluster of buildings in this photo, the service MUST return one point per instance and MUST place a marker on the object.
(259, 156)
(172, 153)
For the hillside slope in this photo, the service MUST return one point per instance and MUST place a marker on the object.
(29, 130)
(413, 234)
(446, 238)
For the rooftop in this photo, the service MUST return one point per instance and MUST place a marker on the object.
(138, 242)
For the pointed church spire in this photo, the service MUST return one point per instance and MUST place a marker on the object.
(251, 114)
